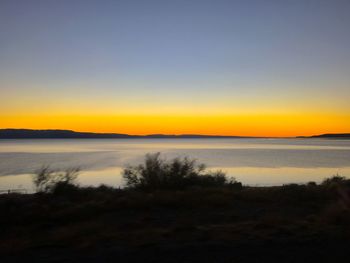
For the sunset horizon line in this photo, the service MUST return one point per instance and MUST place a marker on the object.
(173, 134)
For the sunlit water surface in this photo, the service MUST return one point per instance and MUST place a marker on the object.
(251, 161)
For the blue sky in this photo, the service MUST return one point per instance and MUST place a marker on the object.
(243, 56)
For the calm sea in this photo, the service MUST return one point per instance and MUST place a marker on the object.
(251, 161)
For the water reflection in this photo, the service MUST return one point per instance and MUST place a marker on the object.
(252, 161)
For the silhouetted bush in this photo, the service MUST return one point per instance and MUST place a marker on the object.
(334, 180)
(91, 218)
(64, 187)
(311, 184)
(178, 173)
(47, 180)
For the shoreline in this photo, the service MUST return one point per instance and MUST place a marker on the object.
(291, 222)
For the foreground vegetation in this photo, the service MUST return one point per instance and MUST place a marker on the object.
(160, 219)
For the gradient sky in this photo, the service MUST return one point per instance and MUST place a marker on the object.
(266, 68)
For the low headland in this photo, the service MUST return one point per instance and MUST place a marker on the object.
(175, 211)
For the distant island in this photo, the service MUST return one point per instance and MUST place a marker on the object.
(69, 134)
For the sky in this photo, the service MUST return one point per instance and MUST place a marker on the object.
(249, 67)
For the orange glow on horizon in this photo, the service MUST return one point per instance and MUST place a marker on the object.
(271, 125)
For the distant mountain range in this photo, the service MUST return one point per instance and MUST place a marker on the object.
(68, 134)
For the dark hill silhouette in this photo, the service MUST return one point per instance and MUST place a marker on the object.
(329, 136)
(68, 134)
(333, 135)
(53, 134)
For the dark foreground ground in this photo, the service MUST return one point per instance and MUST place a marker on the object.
(309, 223)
